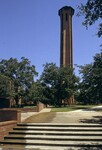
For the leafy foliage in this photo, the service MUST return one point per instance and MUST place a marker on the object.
(35, 92)
(92, 11)
(91, 84)
(59, 83)
(20, 73)
(6, 89)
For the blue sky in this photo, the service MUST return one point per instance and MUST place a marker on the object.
(31, 28)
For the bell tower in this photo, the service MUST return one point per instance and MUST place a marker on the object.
(66, 49)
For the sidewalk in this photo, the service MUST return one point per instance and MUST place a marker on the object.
(92, 115)
(29, 114)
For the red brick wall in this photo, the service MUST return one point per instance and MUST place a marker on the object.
(40, 106)
(5, 127)
(28, 109)
(9, 118)
(9, 115)
(21, 109)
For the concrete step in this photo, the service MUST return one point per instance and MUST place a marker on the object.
(51, 142)
(75, 133)
(50, 137)
(38, 147)
(59, 136)
(58, 128)
(59, 125)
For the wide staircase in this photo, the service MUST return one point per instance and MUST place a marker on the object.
(48, 136)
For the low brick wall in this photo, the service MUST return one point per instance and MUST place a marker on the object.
(28, 109)
(8, 119)
(22, 109)
(37, 108)
(40, 106)
(5, 127)
(9, 115)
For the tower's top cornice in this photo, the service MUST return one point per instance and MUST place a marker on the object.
(69, 8)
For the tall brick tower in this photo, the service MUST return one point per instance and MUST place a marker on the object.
(66, 50)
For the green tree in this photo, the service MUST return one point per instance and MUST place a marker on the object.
(6, 88)
(21, 73)
(47, 80)
(92, 11)
(91, 84)
(35, 92)
(59, 83)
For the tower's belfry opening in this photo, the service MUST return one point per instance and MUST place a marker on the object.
(66, 50)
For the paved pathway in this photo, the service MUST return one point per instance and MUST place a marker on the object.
(80, 116)
(29, 114)
(77, 116)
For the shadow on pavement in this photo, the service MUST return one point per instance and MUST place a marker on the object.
(86, 148)
(90, 148)
(95, 120)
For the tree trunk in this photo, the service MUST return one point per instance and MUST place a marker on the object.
(17, 100)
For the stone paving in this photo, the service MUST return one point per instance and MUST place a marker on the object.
(29, 114)
(77, 116)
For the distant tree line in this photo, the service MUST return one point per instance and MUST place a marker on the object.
(54, 85)
(17, 82)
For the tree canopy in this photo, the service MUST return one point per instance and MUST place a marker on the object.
(59, 83)
(20, 76)
(55, 84)
(91, 83)
(6, 88)
(92, 12)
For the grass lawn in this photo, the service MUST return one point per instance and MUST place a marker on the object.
(29, 106)
(71, 108)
